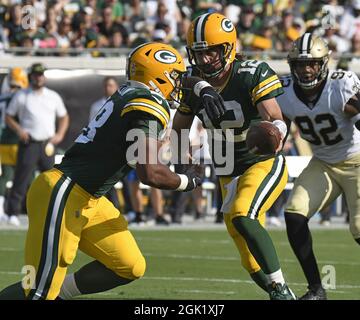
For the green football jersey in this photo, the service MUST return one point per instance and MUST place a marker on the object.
(99, 157)
(250, 82)
(8, 136)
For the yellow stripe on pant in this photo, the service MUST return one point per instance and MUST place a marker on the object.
(62, 218)
(251, 195)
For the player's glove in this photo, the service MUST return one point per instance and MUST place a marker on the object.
(211, 100)
(191, 177)
(213, 103)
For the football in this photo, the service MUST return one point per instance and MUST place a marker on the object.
(263, 138)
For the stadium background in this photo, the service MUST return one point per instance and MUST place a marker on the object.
(191, 261)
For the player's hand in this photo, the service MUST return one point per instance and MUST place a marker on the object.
(213, 103)
(194, 174)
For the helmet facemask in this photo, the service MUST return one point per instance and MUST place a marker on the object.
(318, 77)
(208, 70)
(176, 77)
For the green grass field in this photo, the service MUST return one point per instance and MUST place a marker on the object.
(204, 264)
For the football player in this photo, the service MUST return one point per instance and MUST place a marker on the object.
(66, 205)
(16, 79)
(248, 88)
(325, 106)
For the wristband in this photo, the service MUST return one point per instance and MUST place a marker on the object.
(184, 180)
(199, 86)
(281, 126)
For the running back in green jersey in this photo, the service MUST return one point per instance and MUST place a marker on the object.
(98, 158)
(7, 135)
(250, 82)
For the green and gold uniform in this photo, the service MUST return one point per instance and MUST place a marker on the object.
(8, 147)
(254, 182)
(66, 206)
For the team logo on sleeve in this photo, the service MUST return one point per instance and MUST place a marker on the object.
(227, 25)
(165, 56)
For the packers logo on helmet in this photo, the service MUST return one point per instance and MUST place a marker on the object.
(309, 48)
(210, 30)
(165, 56)
(159, 66)
(227, 25)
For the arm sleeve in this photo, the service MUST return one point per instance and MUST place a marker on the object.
(148, 123)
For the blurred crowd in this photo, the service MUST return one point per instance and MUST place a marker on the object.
(262, 25)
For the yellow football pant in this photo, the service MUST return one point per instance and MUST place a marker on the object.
(62, 218)
(251, 195)
(8, 154)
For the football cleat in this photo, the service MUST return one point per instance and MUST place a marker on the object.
(318, 293)
(278, 291)
(160, 220)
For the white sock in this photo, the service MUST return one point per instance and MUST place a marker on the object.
(2, 200)
(69, 289)
(276, 277)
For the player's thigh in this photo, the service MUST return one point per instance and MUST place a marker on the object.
(313, 190)
(55, 225)
(349, 176)
(107, 239)
(253, 193)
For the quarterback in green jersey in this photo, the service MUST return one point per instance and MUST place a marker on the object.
(249, 183)
(66, 205)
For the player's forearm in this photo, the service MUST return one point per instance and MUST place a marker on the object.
(158, 176)
(180, 137)
(269, 110)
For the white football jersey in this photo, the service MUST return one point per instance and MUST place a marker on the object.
(332, 136)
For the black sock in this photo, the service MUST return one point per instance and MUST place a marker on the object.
(138, 216)
(95, 277)
(13, 292)
(301, 242)
(357, 240)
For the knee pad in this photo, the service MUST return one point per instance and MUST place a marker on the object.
(131, 271)
(139, 268)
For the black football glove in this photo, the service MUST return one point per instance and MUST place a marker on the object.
(213, 103)
(195, 175)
